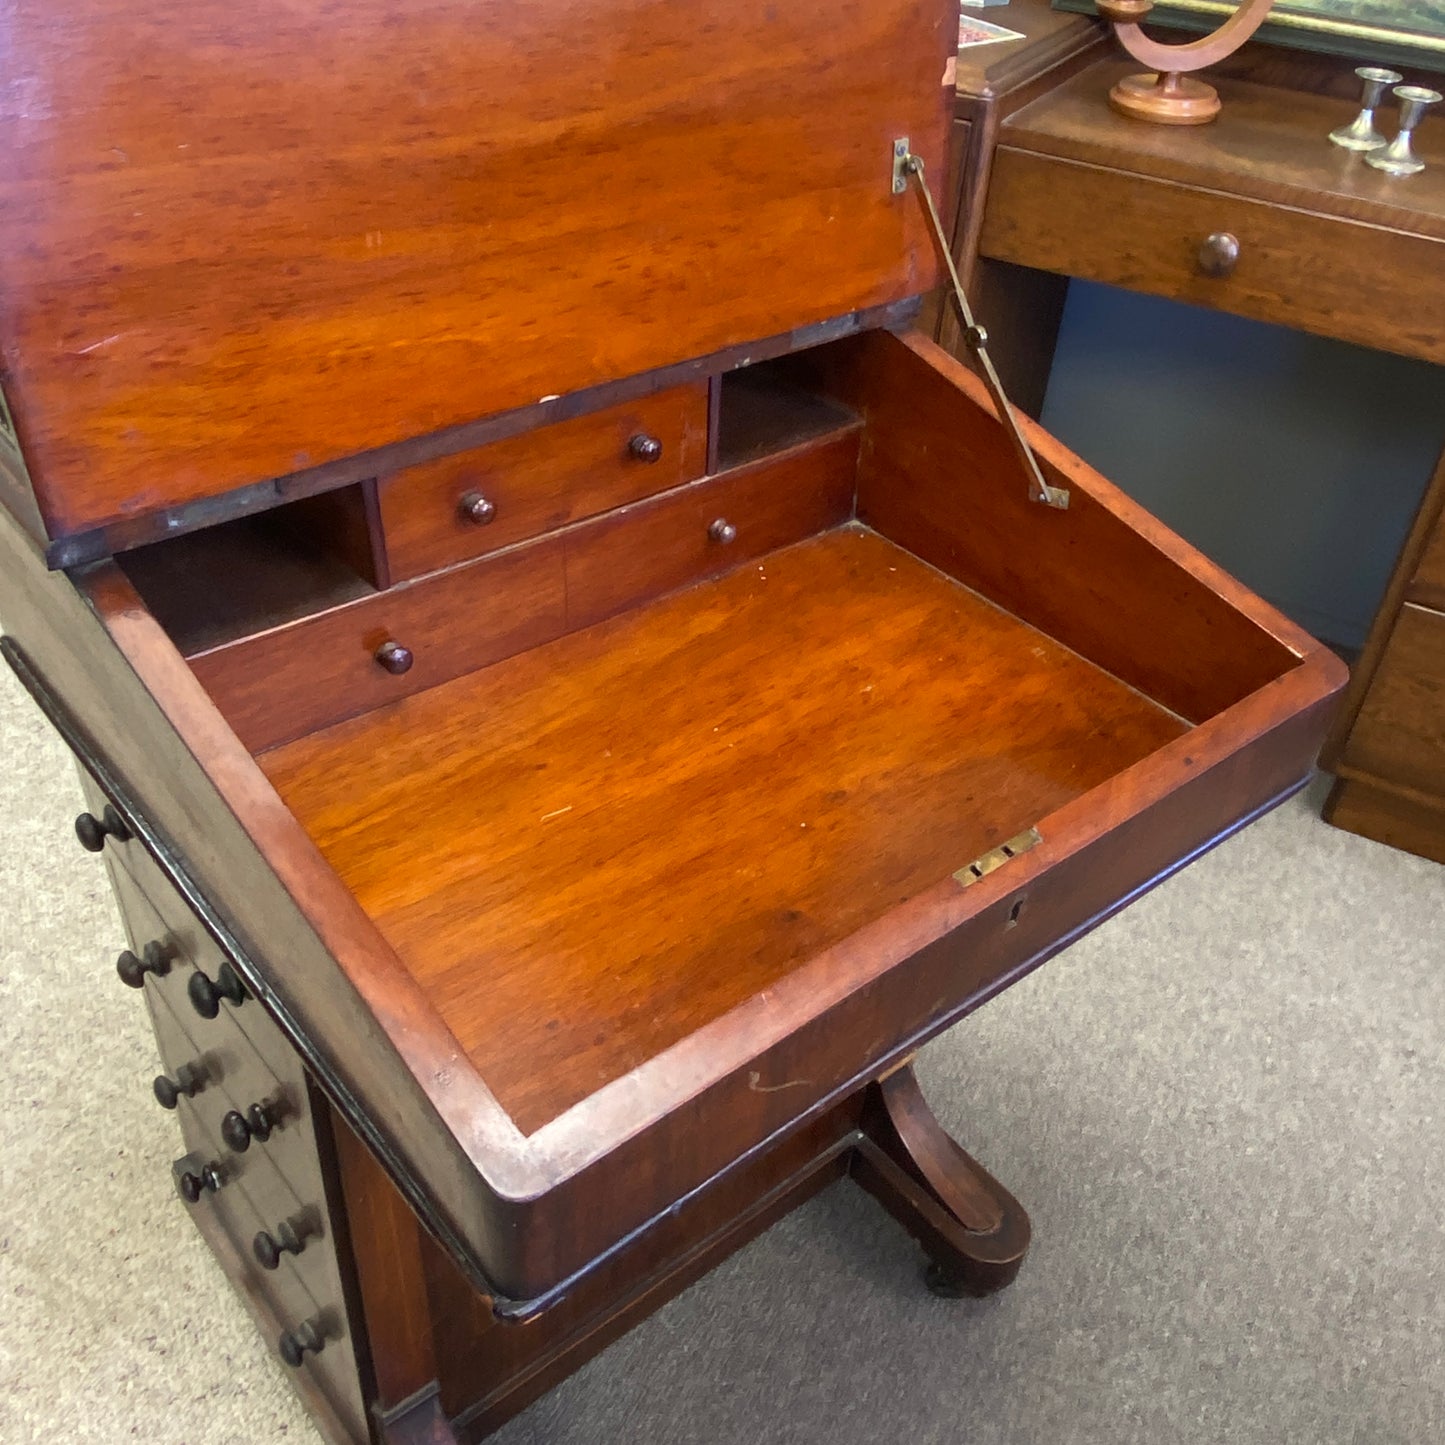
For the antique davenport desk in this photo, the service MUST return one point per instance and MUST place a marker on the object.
(572, 690)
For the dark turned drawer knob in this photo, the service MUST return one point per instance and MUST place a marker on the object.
(190, 1079)
(722, 532)
(1219, 254)
(154, 958)
(206, 996)
(238, 1129)
(268, 1248)
(476, 508)
(392, 657)
(295, 1344)
(93, 831)
(645, 448)
(195, 1176)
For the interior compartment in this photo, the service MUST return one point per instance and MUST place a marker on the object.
(762, 410)
(246, 576)
(587, 850)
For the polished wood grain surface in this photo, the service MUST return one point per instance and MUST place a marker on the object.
(541, 480)
(243, 244)
(1399, 734)
(629, 832)
(1295, 268)
(1268, 144)
(937, 475)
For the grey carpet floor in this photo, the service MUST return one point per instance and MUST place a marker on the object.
(1223, 1109)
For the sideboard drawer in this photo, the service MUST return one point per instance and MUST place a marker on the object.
(1296, 268)
(1400, 732)
(480, 501)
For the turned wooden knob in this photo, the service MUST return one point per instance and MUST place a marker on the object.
(1218, 254)
(190, 1079)
(296, 1344)
(476, 508)
(392, 657)
(154, 958)
(645, 448)
(238, 1129)
(206, 994)
(195, 1177)
(722, 532)
(268, 1248)
(93, 831)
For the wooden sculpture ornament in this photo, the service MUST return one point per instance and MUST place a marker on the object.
(1169, 95)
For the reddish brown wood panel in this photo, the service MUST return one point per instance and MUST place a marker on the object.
(240, 244)
(1145, 235)
(542, 480)
(490, 1369)
(283, 683)
(387, 1247)
(1399, 735)
(629, 832)
(938, 476)
(705, 530)
(1379, 812)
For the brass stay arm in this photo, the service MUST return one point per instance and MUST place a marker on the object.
(906, 165)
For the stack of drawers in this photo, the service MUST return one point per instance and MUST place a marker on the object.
(257, 1175)
(1388, 747)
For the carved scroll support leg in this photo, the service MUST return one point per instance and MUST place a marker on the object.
(974, 1231)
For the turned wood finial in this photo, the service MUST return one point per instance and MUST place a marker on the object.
(1169, 95)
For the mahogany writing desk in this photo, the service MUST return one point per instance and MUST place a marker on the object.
(572, 689)
(1254, 214)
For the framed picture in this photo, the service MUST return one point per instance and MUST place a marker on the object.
(1399, 32)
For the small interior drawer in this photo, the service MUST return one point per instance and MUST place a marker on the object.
(289, 681)
(480, 501)
(1400, 732)
(1294, 267)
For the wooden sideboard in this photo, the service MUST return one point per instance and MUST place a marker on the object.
(1255, 214)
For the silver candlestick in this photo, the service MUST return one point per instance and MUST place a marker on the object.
(1360, 134)
(1397, 159)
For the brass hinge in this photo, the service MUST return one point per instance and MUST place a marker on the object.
(995, 858)
(906, 165)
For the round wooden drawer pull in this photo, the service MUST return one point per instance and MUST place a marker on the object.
(154, 958)
(194, 1178)
(476, 508)
(238, 1129)
(268, 1248)
(295, 1344)
(190, 1079)
(1219, 254)
(392, 657)
(206, 995)
(93, 831)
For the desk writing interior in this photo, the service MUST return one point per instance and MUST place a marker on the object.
(546, 829)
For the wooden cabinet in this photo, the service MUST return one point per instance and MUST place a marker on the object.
(1388, 744)
(529, 917)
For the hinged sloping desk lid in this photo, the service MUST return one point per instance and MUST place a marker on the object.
(243, 242)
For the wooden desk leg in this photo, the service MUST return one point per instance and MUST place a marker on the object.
(974, 1231)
